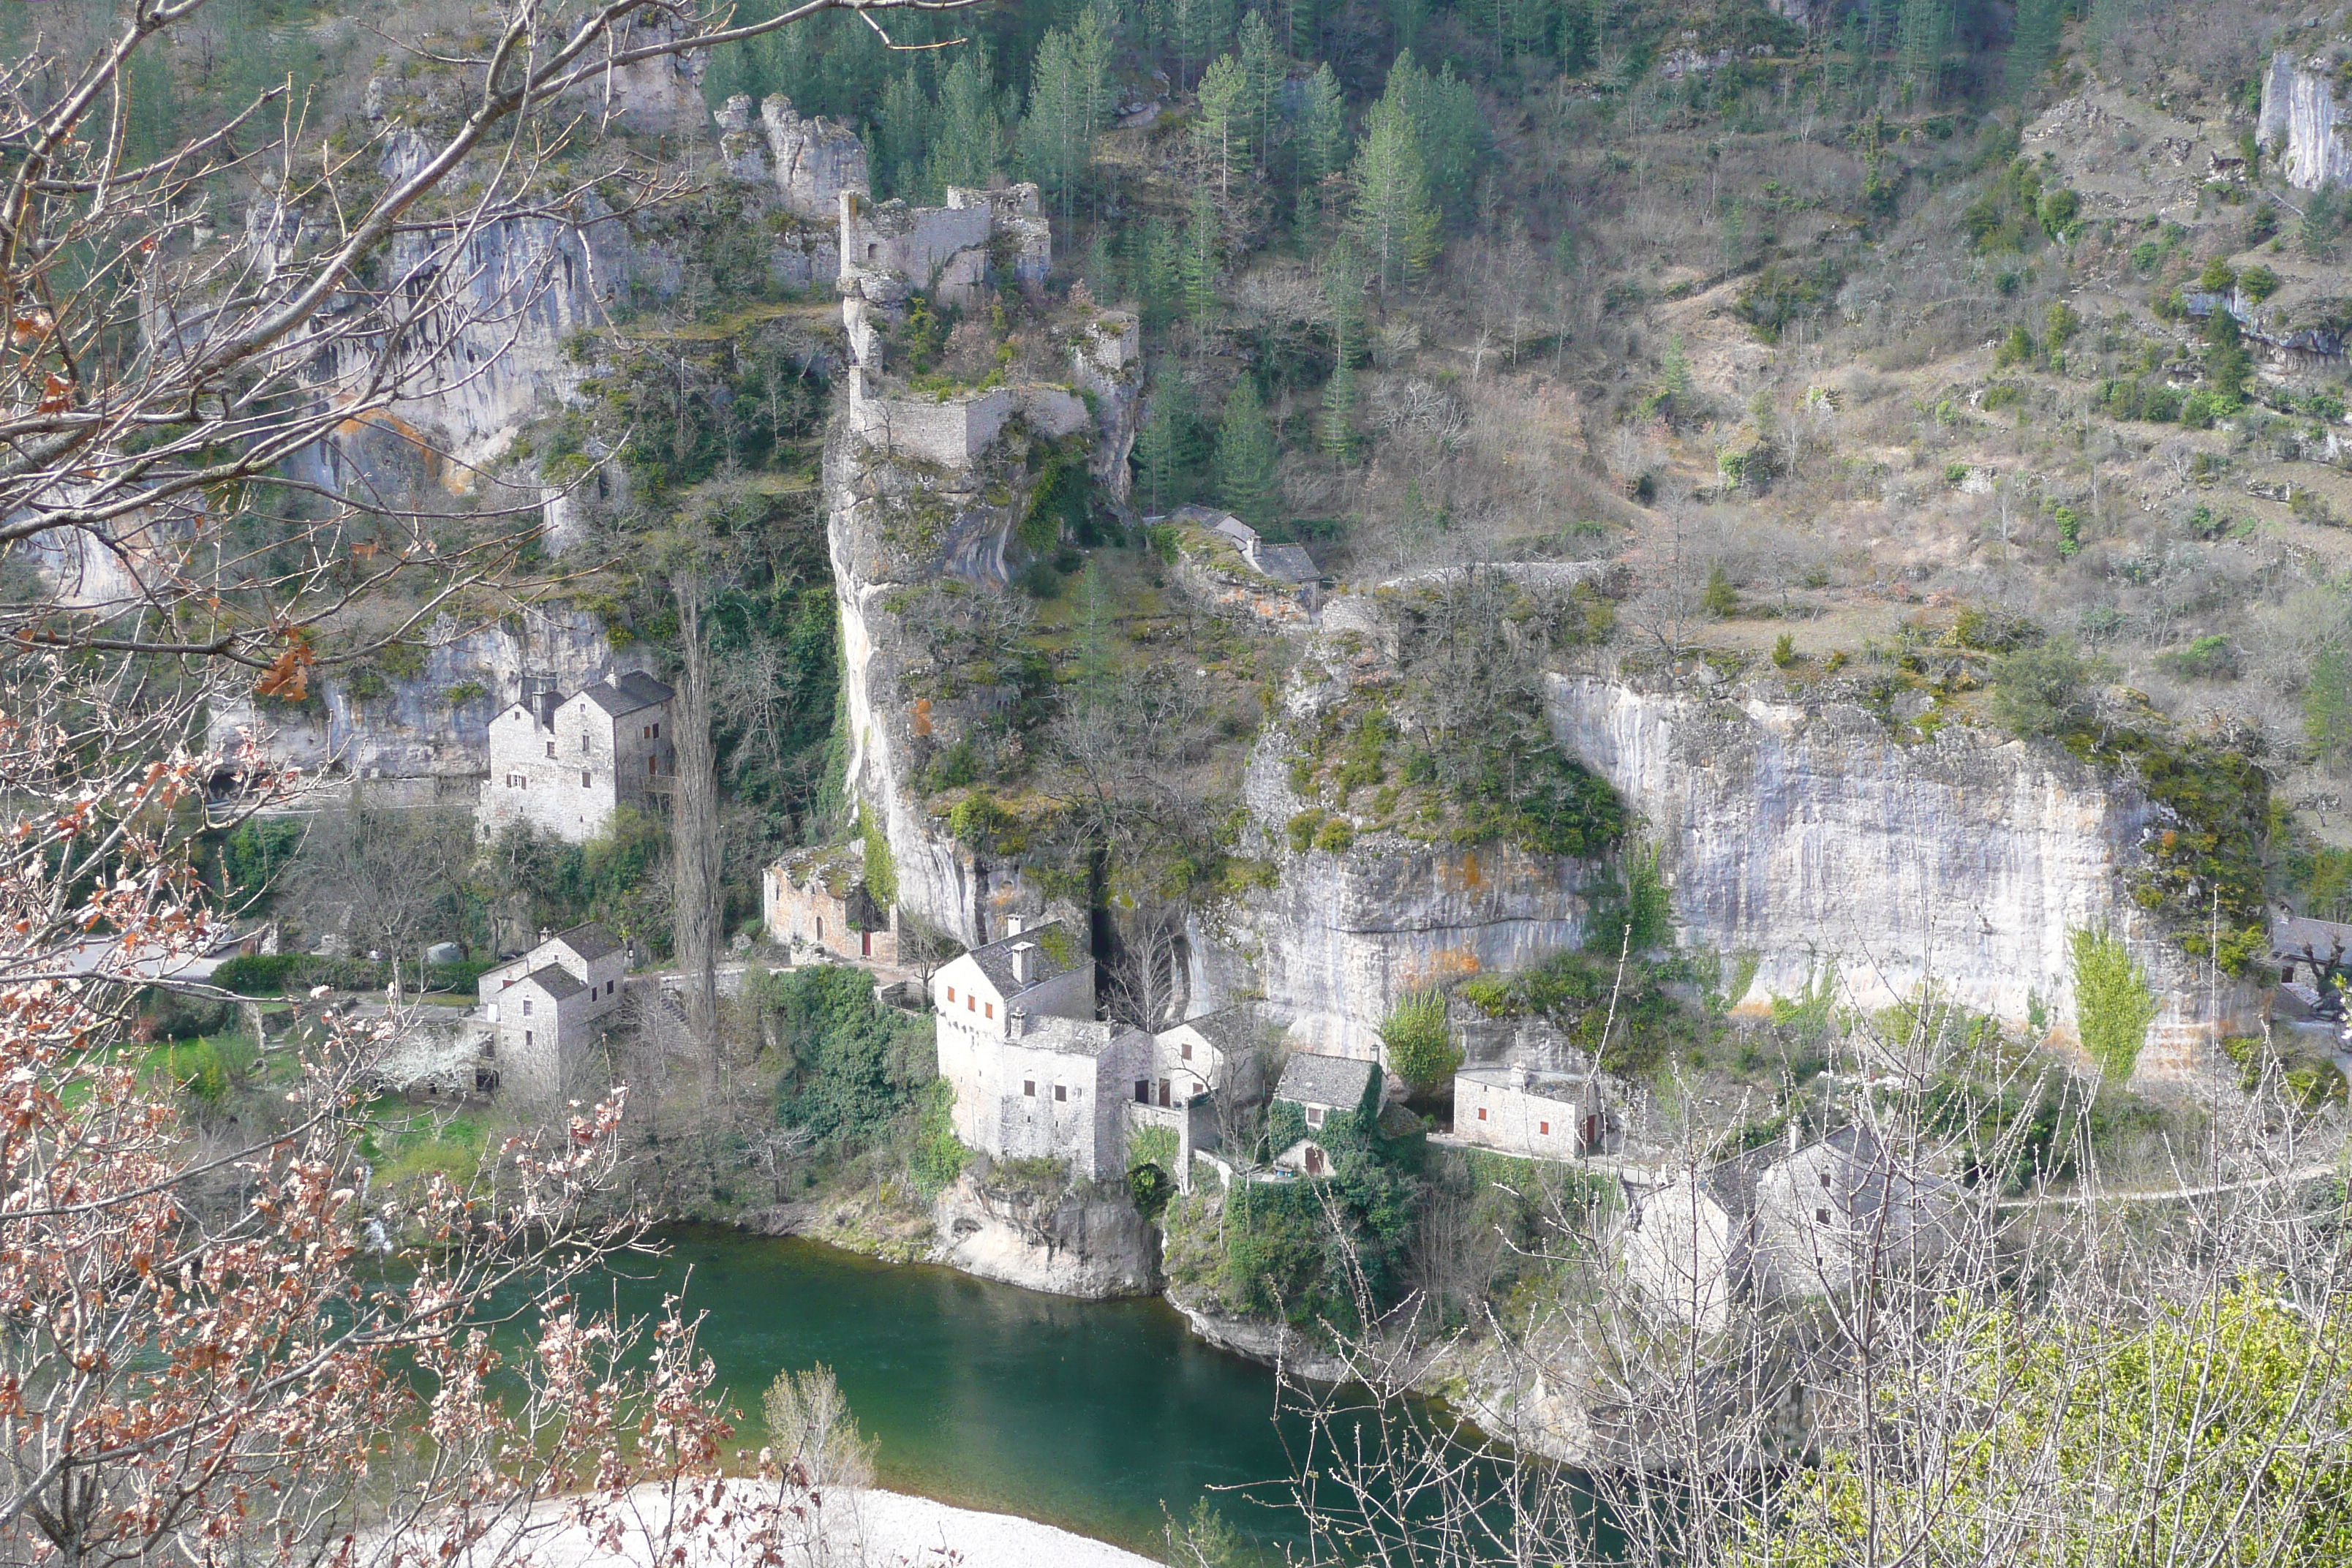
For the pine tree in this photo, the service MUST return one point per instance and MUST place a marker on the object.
(1343, 290)
(902, 136)
(967, 142)
(1262, 65)
(1164, 445)
(1923, 35)
(2033, 44)
(1221, 129)
(1247, 454)
(1322, 138)
(1068, 97)
(1335, 432)
(1392, 215)
(1202, 238)
(1189, 28)
(1159, 271)
(2227, 365)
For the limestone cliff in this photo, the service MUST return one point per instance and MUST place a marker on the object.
(2301, 122)
(1808, 836)
(430, 723)
(1067, 1243)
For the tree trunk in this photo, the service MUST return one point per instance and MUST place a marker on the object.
(694, 823)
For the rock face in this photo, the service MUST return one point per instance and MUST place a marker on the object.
(1808, 837)
(434, 723)
(2300, 122)
(1069, 1242)
(920, 488)
(1340, 937)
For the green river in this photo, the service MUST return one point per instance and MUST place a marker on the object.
(1089, 1415)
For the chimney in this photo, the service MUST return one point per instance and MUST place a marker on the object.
(612, 678)
(543, 935)
(1016, 924)
(1518, 1076)
(1024, 954)
(1796, 1134)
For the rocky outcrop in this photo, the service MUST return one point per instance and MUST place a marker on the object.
(434, 723)
(1066, 1242)
(2302, 121)
(1807, 836)
(1341, 936)
(1276, 1344)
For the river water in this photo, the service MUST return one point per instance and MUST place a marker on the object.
(1092, 1415)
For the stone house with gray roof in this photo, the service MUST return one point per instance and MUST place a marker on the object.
(1778, 1223)
(1320, 1090)
(565, 764)
(1036, 1074)
(543, 1010)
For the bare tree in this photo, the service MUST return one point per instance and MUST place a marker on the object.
(381, 879)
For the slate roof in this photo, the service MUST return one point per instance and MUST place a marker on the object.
(591, 941)
(556, 981)
(1336, 1082)
(1290, 562)
(1228, 1030)
(2295, 936)
(632, 691)
(995, 959)
(1073, 1036)
(1559, 1086)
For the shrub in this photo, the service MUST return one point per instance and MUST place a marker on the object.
(2206, 658)
(851, 1065)
(1720, 598)
(1335, 836)
(1420, 1049)
(1784, 651)
(2258, 283)
(2113, 1004)
(939, 1157)
(2017, 348)
(2041, 690)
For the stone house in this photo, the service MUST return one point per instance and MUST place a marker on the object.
(1215, 1052)
(1288, 564)
(1779, 1223)
(564, 764)
(1036, 1075)
(542, 1009)
(1529, 1112)
(1320, 1090)
(819, 897)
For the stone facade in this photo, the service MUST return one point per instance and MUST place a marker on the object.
(819, 898)
(1036, 1075)
(564, 764)
(1528, 1112)
(543, 1008)
(1779, 1223)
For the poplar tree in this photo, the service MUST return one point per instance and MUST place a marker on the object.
(1247, 454)
(1392, 216)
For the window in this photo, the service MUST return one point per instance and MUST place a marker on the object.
(583, 778)
(1313, 1116)
(1482, 1113)
(1185, 1052)
(526, 1039)
(1061, 1092)
(988, 1009)
(1029, 1087)
(969, 999)
(1821, 1217)
(656, 731)
(608, 988)
(1142, 1092)
(550, 748)
(1825, 1178)
(951, 994)
(820, 936)
(1543, 1129)
(526, 1010)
